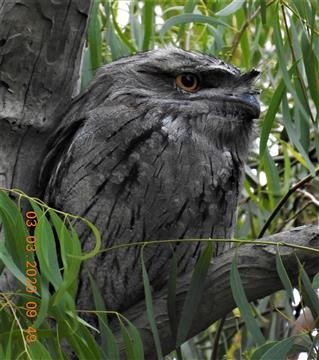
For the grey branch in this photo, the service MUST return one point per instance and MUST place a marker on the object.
(256, 264)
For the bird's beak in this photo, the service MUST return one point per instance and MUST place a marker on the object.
(253, 104)
(248, 97)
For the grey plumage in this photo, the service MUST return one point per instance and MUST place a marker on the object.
(146, 160)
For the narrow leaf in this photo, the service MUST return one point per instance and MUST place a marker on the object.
(194, 294)
(231, 8)
(148, 19)
(293, 133)
(263, 10)
(282, 61)
(150, 310)
(132, 341)
(171, 298)
(261, 350)
(242, 302)
(284, 276)
(189, 18)
(270, 116)
(309, 294)
(272, 111)
(315, 282)
(15, 231)
(312, 69)
(87, 73)
(109, 345)
(273, 179)
(46, 248)
(280, 350)
(94, 36)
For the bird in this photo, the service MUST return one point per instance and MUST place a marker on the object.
(154, 149)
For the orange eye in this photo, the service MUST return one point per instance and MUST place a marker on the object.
(187, 81)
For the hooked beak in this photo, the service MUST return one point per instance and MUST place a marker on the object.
(252, 103)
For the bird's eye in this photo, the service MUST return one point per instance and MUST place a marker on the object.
(187, 81)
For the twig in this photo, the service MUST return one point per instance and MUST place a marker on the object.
(284, 200)
(284, 223)
(309, 196)
(242, 30)
(220, 326)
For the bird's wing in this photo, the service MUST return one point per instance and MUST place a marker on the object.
(89, 164)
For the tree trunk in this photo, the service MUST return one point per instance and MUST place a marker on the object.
(41, 44)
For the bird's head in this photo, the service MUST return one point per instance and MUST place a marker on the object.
(195, 97)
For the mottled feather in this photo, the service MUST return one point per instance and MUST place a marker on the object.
(145, 160)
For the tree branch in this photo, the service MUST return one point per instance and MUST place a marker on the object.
(256, 264)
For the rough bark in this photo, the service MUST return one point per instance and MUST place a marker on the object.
(41, 44)
(257, 267)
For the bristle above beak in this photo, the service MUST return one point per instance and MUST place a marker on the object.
(250, 75)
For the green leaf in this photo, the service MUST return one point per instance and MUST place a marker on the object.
(242, 302)
(309, 294)
(79, 338)
(270, 116)
(94, 36)
(97, 237)
(46, 249)
(317, 142)
(136, 27)
(296, 154)
(282, 61)
(284, 276)
(148, 19)
(6, 258)
(44, 304)
(194, 294)
(118, 49)
(70, 251)
(287, 167)
(261, 350)
(171, 298)
(315, 282)
(132, 341)
(188, 8)
(150, 310)
(272, 111)
(279, 350)
(38, 351)
(109, 344)
(8, 355)
(231, 8)
(15, 230)
(293, 134)
(311, 67)
(189, 18)
(87, 73)
(119, 44)
(273, 179)
(263, 11)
